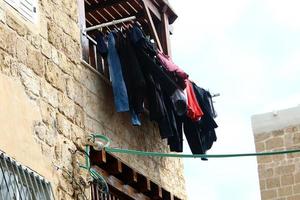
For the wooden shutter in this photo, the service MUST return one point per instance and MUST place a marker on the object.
(27, 8)
(13, 3)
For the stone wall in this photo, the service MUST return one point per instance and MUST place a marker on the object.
(279, 175)
(41, 64)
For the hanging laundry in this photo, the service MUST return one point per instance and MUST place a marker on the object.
(178, 74)
(132, 73)
(194, 111)
(116, 76)
(140, 73)
(179, 101)
(101, 44)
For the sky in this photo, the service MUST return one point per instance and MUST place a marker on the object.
(249, 52)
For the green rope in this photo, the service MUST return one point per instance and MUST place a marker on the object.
(175, 155)
(101, 180)
(94, 174)
(157, 154)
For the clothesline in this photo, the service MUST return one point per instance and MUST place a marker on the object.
(102, 141)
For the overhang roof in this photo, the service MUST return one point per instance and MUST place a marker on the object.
(102, 11)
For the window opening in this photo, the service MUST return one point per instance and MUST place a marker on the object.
(153, 16)
(20, 183)
(27, 8)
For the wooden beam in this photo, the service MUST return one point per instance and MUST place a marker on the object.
(118, 188)
(152, 26)
(83, 39)
(127, 180)
(115, 167)
(153, 9)
(165, 34)
(143, 184)
(156, 191)
(98, 157)
(166, 194)
(103, 4)
(176, 198)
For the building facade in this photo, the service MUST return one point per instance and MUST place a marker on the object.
(51, 99)
(279, 175)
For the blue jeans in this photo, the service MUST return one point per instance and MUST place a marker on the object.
(116, 77)
(118, 84)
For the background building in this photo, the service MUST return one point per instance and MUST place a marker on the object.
(54, 92)
(279, 175)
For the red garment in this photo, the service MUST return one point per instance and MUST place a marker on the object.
(194, 111)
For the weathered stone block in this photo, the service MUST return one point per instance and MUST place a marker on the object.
(36, 61)
(266, 172)
(273, 183)
(46, 49)
(79, 116)
(11, 42)
(291, 129)
(274, 143)
(40, 130)
(5, 62)
(44, 27)
(30, 81)
(296, 189)
(286, 169)
(48, 114)
(55, 35)
(264, 159)
(65, 64)
(54, 56)
(13, 23)
(35, 39)
(262, 184)
(2, 16)
(277, 133)
(287, 179)
(92, 125)
(51, 137)
(262, 136)
(66, 106)
(278, 158)
(296, 138)
(64, 126)
(55, 76)
(285, 191)
(71, 49)
(49, 93)
(3, 34)
(71, 9)
(297, 177)
(21, 49)
(269, 194)
(260, 146)
(75, 91)
(78, 135)
(293, 197)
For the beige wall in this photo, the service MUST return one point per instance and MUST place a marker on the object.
(49, 101)
(279, 175)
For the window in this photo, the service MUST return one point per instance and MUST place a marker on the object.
(20, 183)
(27, 8)
(153, 16)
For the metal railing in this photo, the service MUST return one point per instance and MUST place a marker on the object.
(95, 60)
(20, 183)
(98, 194)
